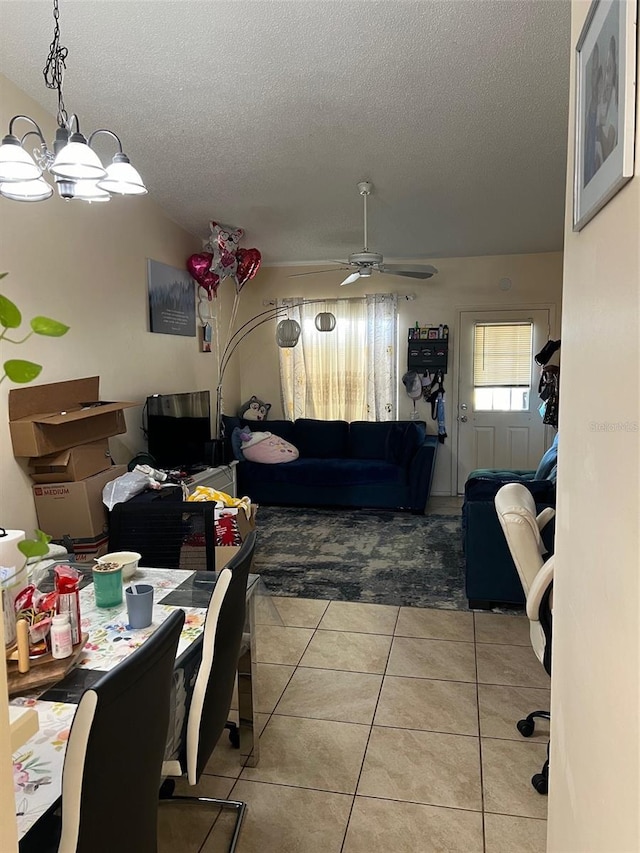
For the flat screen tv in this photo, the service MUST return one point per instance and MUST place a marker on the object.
(179, 429)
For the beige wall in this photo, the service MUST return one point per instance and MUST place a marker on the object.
(461, 283)
(595, 758)
(86, 266)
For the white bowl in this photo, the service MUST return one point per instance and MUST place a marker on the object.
(127, 559)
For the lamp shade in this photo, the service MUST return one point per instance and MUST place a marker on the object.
(90, 191)
(325, 321)
(37, 190)
(15, 163)
(77, 162)
(122, 178)
(287, 333)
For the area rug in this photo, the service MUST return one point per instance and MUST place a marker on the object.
(361, 555)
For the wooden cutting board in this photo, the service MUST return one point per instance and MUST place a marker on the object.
(43, 670)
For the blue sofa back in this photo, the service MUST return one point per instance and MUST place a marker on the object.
(389, 441)
(316, 439)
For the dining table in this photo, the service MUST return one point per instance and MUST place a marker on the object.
(38, 763)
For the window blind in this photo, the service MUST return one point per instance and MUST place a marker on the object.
(502, 355)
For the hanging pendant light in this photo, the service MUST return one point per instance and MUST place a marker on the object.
(325, 321)
(287, 333)
(71, 160)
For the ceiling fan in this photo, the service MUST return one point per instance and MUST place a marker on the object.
(365, 262)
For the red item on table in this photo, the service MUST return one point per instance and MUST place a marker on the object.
(68, 590)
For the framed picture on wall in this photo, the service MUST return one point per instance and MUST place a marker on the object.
(172, 300)
(605, 106)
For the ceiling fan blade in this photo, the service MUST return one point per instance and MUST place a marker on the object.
(315, 272)
(350, 278)
(421, 271)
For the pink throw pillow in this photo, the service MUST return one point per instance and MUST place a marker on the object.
(268, 448)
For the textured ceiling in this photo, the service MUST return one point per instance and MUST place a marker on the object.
(266, 115)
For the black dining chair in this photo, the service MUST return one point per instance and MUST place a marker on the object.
(167, 534)
(113, 763)
(213, 689)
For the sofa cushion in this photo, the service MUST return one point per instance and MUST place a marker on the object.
(338, 473)
(368, 439)
(321, 439)
(284, 429)
(403, 441)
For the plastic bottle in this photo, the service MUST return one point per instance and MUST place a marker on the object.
(60, 636)
(445, 332)
(440, 331)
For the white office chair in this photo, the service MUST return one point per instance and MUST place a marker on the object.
(522, 528)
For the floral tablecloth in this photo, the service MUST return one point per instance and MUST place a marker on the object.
(37, 765)
(110, 637)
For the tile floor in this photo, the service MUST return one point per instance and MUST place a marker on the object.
(384, 730)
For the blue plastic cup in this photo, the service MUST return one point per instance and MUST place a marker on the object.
(139, 605)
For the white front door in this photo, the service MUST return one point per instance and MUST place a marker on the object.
(499, 425)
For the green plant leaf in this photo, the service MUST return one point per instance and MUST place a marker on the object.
(21, 371)
(3, 274)
(37, 547)
(46, 326)
(10, 316)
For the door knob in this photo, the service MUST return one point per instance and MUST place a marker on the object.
(463, 419)
(463, 406)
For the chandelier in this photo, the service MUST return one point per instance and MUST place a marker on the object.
(73, 164)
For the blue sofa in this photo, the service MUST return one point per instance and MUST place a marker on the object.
(491, 578)
(384, 465)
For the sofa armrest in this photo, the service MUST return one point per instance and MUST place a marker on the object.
(420, 473)
(484, 488)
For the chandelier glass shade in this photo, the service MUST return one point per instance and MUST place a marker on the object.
(74, 165)
(37, 190)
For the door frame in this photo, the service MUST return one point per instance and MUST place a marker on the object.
(551, 307)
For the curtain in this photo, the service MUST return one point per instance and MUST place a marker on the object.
(347, 374)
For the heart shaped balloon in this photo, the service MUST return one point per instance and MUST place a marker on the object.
(198, 266)
(249, 261)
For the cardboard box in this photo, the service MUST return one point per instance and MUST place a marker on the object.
(86, 550)
(75, 509)
(76, 463)
(245, 525)
(45, 419)
(193, 552)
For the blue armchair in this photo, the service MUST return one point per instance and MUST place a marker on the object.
(491, 578)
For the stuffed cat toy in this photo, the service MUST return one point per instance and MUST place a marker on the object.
(254, 410)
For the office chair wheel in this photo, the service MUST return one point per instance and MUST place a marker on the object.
(525, 727)
(540, 783)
